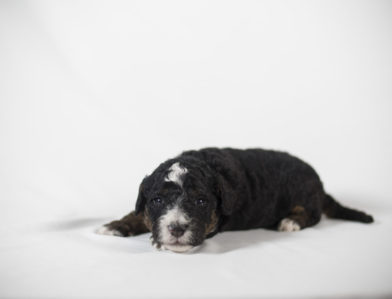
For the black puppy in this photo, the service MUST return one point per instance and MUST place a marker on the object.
(199, 193)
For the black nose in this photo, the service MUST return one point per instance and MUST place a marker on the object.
(177, 230)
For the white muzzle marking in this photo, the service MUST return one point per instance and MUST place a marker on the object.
(168, 241)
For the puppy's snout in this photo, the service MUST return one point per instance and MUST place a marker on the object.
(177, 230)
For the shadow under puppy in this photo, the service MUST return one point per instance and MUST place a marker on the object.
(200, 193)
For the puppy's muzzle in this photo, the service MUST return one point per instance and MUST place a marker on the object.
(177, 230)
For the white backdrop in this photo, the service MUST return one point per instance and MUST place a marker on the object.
(95, 94)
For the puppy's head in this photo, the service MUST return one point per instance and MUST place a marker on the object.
(179, 203)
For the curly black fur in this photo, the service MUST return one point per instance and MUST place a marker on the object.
(232, 189)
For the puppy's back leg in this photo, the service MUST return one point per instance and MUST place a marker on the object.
(298, 218)
(129, 225)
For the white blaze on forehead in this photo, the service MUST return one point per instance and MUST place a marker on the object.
(176, 173)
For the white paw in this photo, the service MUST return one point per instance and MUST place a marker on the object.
(104, 230)
(156, 245)
(288, 225)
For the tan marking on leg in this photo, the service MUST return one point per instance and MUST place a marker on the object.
(298, 210)
(129, 225)
(299, 215)
(136, 223)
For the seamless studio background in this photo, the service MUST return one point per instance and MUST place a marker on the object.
(95, 94)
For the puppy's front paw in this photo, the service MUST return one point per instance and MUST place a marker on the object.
(155, 244)
(288, 225)
(117, 228)
(106, 230)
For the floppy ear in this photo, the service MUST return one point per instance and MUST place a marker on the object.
(141, 199)
(226, 195)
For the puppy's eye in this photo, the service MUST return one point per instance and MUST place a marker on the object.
(157, 201)
(201, 202)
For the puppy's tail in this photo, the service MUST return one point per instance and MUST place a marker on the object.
(333, 209)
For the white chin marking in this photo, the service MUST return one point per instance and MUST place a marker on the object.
(288, 225)
(176, 174)
(104, 230)
(177, 248)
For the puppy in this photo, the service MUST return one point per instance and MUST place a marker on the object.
(200, 193)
